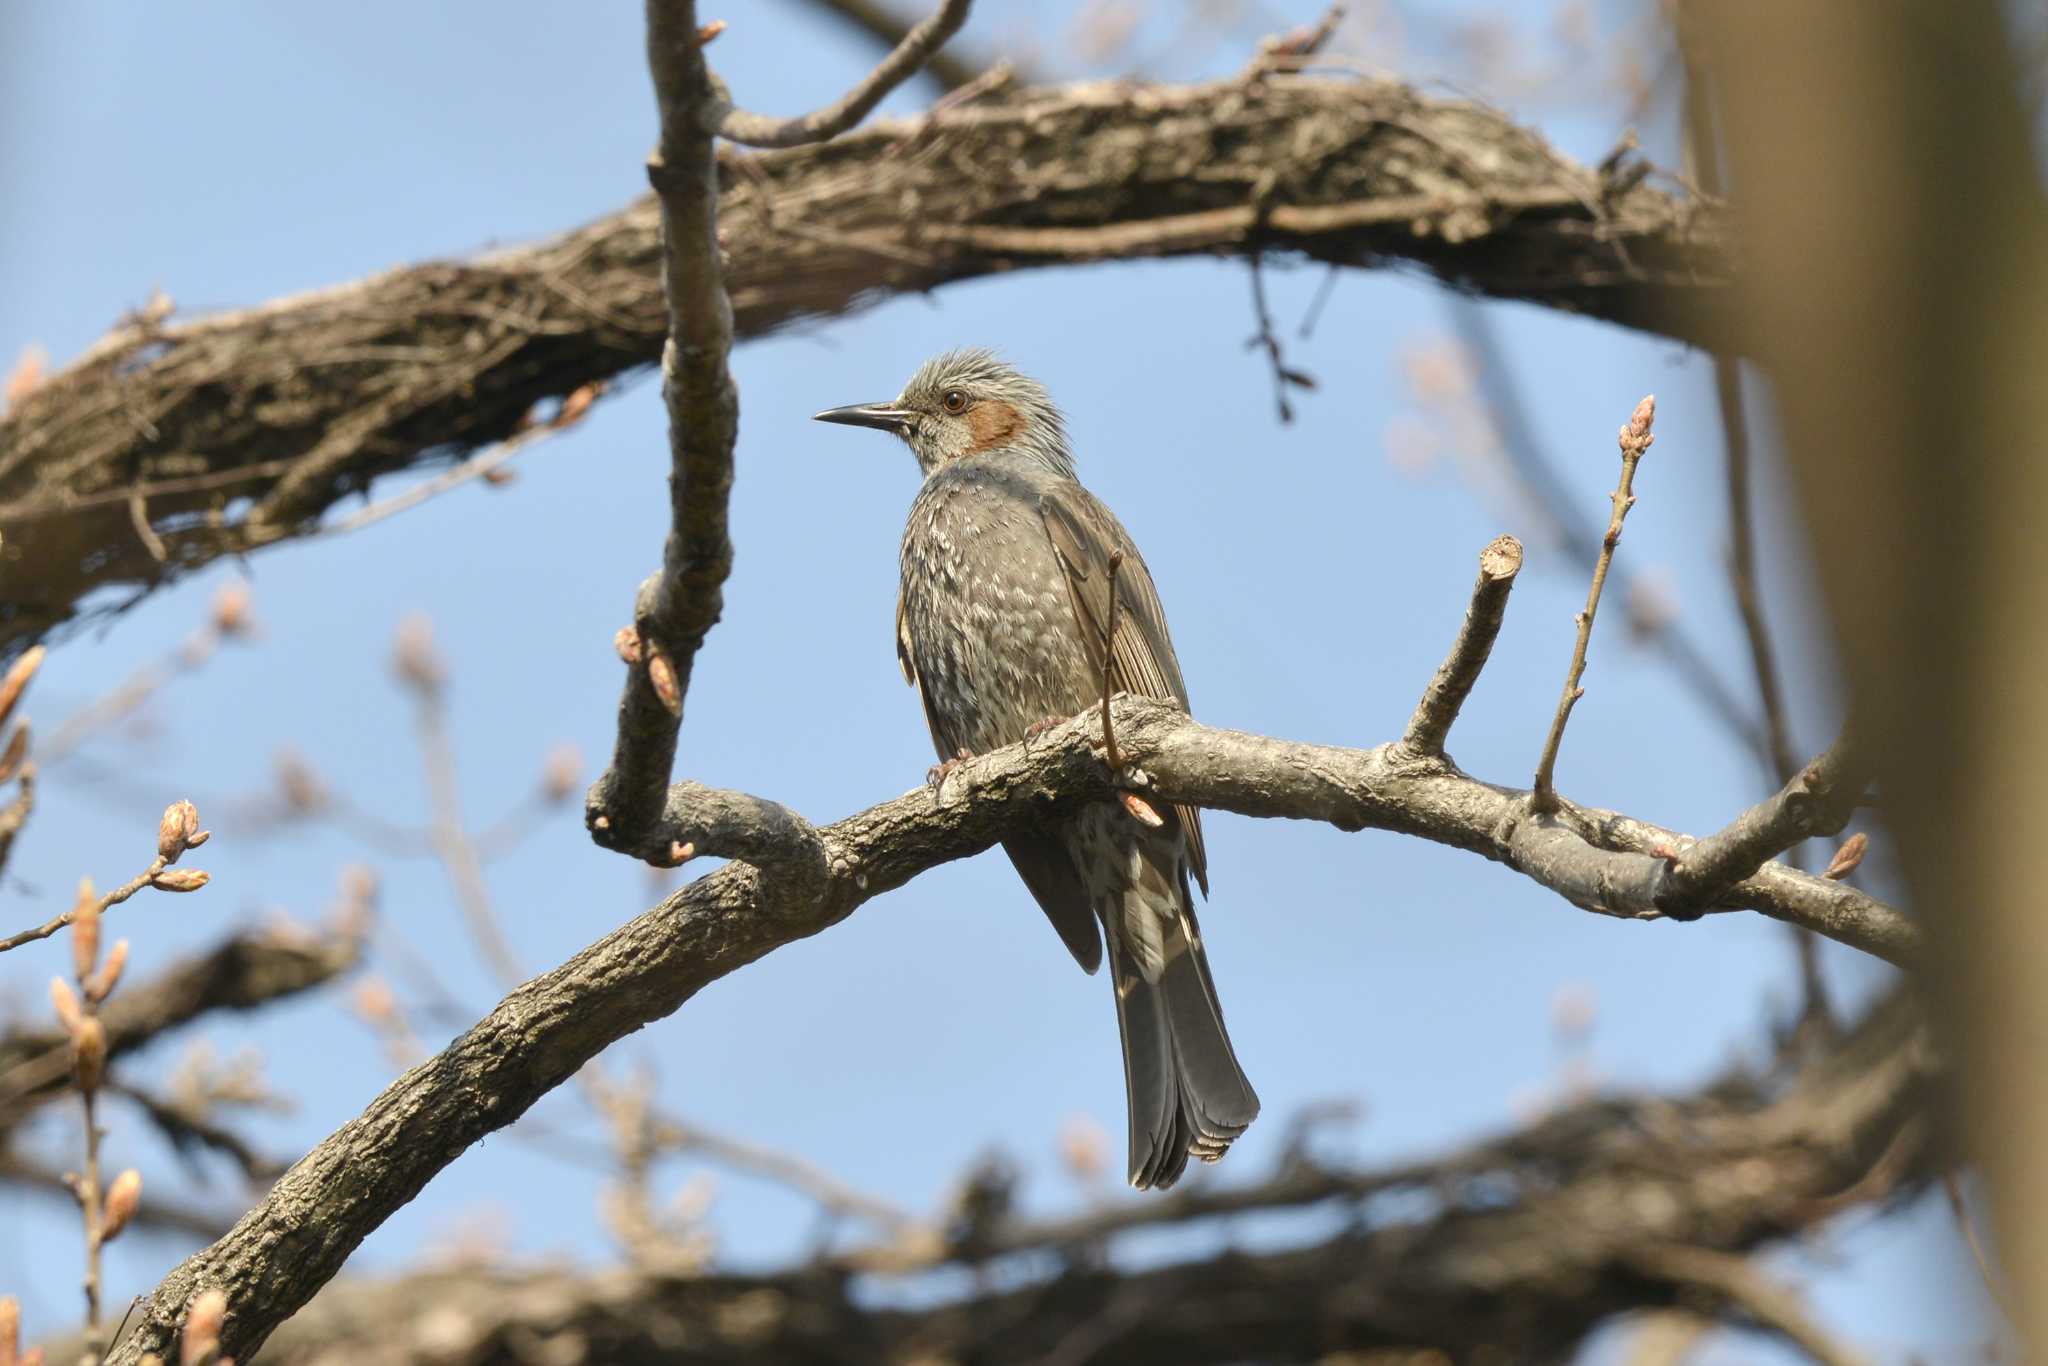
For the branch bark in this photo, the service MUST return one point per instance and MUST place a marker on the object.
(297, 1239)
(289, 407)
(1511, 1249)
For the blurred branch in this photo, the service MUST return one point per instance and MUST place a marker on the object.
(185, 1131)
(1744, 1287)
(324, 392)
(1514, 1249)
(882, 23)
(242, 973)
(28, 1174)
(1907, 376)
(1703, 145)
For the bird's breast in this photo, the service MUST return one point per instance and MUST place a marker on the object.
(986, 607)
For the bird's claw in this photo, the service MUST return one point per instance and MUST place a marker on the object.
(1038, 728)
(935, 776)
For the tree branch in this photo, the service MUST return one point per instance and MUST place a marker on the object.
(1636, 437)
(1434, 715)
(1514, 1248)
(886, 27)
(678, 605)
(904, 61)
(297, 404)
(1818, 800)
(292, 1243)
(242, 973)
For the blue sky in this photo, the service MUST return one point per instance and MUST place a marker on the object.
(231, 154)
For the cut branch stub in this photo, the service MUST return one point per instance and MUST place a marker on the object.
(1434, 715)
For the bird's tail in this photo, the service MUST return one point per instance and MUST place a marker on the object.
(1188, 1096)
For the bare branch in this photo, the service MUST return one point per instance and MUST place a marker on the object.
(1740, 1284)
(1636, 438)
(152, 876)
(417, 364)
(152, 1213)
(1692, 666)
(1528, 1240)
(900, 65)
(1703, 143)
(1434, 715)
(882, 23)
(281, 1252)
(677, 607)
(1818, 800)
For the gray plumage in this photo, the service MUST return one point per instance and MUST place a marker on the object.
(1000, 625)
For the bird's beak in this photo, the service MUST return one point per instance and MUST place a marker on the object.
(884, 417)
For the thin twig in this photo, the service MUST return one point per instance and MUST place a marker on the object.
(452, 843)
(1635, 439)
(1284, 375)
(1691, 665)
(1735, 1280)
(479, 466)
(905, 61)
(1111, 753)
(878, 21)
(1961, 1209)
(785, 1169)
(107, 902)
(1438, 710)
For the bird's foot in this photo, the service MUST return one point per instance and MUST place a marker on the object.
(935, 776)
(1038, 728)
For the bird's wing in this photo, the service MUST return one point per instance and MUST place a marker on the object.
(908, 663)
(1084, 533)
(1041, 860)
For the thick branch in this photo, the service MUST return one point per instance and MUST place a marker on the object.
(1512, 1249)
(294, 405)
(290, 1245)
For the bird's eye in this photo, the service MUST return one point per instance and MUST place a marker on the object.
(954, 401)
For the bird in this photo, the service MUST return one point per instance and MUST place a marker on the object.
(1019, 587)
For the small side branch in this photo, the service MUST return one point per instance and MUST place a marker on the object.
(1635, 440)
(908, 58)
(1736, 1282)
(1441, 700)
(1819, 800)
(676, 607)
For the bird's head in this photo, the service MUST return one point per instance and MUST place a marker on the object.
(969, 403)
